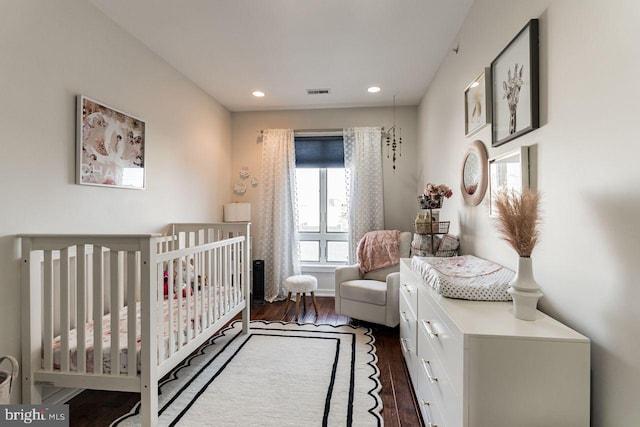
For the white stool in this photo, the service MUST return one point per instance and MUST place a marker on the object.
(301, 285)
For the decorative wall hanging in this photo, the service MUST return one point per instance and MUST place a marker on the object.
(254, 182)
(515, 97)
(110, 146)
(239, 188)
(473, 183)
(244, 173)
(393, 136)
(477, 103)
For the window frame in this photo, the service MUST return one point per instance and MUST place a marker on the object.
(323, 237)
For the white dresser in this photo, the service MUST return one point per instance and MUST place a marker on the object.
(473, 364)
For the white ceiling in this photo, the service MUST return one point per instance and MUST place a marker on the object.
(230, 48)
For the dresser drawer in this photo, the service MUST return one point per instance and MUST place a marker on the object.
(433, 375)
(431, 413)
(409, 291)
(447, 343)
(408, 336)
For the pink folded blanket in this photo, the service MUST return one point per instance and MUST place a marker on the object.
(378, 249)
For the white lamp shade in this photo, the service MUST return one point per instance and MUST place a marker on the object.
(237, 212)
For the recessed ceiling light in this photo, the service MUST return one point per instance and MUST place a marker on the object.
(257, 93)
(373, 89)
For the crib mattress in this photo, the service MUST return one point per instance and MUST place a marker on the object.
(107, 330)
(465, 277)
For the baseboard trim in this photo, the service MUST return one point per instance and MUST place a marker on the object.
(62, 396)
(325, 292)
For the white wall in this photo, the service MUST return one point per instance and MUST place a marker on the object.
(587, 151)
(399, 197)
(49, 53)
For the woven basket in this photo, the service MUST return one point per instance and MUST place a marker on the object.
(7, 378)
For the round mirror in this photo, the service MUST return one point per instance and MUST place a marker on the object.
(474, 173)
(471, 173)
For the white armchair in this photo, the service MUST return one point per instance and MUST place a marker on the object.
(374, 296)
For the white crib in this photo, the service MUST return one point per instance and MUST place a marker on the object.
(173, 290)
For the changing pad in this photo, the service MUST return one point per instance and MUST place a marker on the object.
(465, 277)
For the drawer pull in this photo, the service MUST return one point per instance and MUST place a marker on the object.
(429, 424)
(427, 369)
(429, 328)
(403, 314)
(403, 343)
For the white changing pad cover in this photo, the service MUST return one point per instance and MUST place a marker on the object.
(465, 277)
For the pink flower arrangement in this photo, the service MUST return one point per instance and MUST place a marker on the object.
(437, 190)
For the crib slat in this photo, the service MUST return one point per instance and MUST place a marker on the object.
(132, 335)
(202, 274)
(227, 289)
(232, 275)
(198, 308)
(187, 292)
(81, 301)
(162, 351)
(236, 274)
(241, 281)
(170, 309)
(65, 324)
(209, 287)
(98, 304)
(181, 320)
(47, 330)
(215, 284)
(220, 284)
(244, 280)
(115, 286)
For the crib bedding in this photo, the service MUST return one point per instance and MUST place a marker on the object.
(465, 277)
(123, 334)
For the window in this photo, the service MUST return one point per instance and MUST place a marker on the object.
(322, 200)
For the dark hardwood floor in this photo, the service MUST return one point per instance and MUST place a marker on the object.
(100, 408)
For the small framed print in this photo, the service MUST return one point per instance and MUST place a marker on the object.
(515, 87)
(110, 146)
(508, 172)
(477, 103)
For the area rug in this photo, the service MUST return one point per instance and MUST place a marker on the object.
(280, 374)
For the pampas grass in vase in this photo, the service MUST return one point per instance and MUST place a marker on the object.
(519, 225)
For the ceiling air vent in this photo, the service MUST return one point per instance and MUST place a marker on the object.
(317, 91)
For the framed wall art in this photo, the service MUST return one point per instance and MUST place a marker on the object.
(477, 103)
(515, 87)
(508, 172)
(110, 146)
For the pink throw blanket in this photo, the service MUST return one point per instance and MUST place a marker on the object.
(378, 249)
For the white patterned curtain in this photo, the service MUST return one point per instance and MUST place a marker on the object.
(278, 244)
(363, 164)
